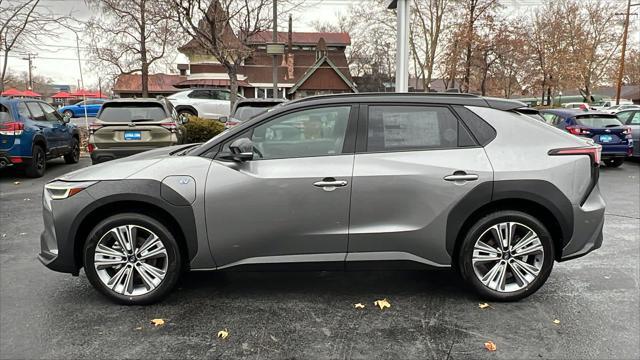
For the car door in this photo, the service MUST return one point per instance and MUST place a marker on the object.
(93, 106)
(202, 99)
(633, 121)
(40, 120)
(291, 202)
(60, 131)
(222, 101)
(413, 164)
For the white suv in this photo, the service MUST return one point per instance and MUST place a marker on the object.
(210, 103)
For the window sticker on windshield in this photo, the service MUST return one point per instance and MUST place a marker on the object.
(411, 129)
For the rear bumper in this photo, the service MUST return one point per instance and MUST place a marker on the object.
(102, 155)
(616, 151)
(587, 227)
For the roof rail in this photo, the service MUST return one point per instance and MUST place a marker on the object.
(369, 94)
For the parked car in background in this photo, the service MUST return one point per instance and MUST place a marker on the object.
(605, 129)
(125, 127)
(605, 104)
(32, 132)
(246, 109)
(631, 118)
(202, 102)
(576, 105)
(355, 180)
(92, 107)
(616, 108)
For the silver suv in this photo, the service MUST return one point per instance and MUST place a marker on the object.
(429, 180)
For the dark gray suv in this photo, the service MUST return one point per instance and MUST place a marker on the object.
(431, 180)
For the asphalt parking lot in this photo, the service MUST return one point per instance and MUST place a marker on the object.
(306, 315)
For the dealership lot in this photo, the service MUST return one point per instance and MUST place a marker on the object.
(310, 314)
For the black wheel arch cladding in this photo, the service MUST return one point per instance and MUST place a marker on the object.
(539, 192)
(132, 195)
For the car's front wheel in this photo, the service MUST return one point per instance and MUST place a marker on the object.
(132, 258)
(506, 256)
(68, 113)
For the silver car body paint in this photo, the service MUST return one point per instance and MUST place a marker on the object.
(394, 205)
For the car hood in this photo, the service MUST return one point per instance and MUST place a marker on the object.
(121, 168)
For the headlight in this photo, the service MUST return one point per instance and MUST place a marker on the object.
(63, 189)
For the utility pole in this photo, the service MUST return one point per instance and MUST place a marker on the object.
(29, 58)
(624, 49)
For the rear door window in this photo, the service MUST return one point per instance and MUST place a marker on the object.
(407, 127)
(36, 111)
(200, 94)
(598, 121)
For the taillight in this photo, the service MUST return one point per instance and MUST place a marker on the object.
(170, 126)
(594, 152)
(90, 148)
(578, 130)
(12, 128)
(93, 127)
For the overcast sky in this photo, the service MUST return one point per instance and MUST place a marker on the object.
(57, 57)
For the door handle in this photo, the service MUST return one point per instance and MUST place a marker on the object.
(330, 184)
(461, 176)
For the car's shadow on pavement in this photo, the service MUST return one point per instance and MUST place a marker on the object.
(17, 172)
(314, 284)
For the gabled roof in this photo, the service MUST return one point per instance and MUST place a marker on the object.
(158, 83)
(315, 67)
(302, 38)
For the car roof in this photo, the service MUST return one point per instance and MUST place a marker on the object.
(431, 98)
(134, 100)
(204, 88)
(250, 100)
(8, 100)
(573, 112)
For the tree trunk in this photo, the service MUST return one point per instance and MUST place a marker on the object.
(4, 70)
(233, 84)
(143, 51)
(467, 65)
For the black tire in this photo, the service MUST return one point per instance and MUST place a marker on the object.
(465, 254)
(614, 162)
(174, 262)
(74, 155)
(68, 113)
(185, 113)
(36, 167)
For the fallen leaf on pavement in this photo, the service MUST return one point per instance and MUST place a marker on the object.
(556, 321)
(16, 183)
(358, 306)
(490, 345)
(157, 322)
(21, 234)
(139, 328)
(484, 306)
(222, 334)
(383, 303)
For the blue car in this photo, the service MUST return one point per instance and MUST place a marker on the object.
(605, 129)
(78, 109)
(31, 132)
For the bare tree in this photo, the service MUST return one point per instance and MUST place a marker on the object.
(131, 36)
(429, 19)
(223, 29)
(21, 23)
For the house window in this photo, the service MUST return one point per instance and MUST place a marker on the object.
(267, 93)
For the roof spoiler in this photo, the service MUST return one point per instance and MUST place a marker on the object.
(504, 104)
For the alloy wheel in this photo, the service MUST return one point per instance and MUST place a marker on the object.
(40, 160)
(131, 260)
(508, 257)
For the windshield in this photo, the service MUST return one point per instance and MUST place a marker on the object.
(598, 121)
(123, 112)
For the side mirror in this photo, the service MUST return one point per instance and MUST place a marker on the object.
(66, 119)
(241, 150)
(223, 119)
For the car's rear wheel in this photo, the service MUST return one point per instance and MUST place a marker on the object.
(614, 162)
(74, 155)
(133, 259)
(506, 256)
(36, 167)
(185, 114)
(68, 113)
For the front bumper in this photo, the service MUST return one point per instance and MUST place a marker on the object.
(587, 229)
